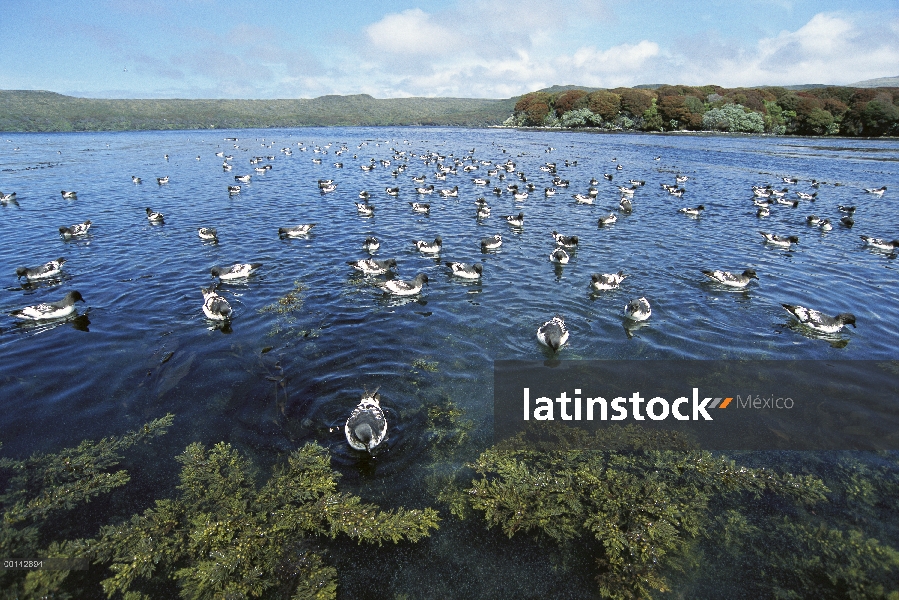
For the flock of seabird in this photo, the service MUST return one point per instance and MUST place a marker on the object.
(366, 427)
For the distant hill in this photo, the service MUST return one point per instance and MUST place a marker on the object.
(565, 88)
(49, 111)
(881, 82)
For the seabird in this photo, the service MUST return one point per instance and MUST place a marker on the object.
(155, 217)
(491, 243)
(366, 428)
(466, 271)
(48, 269)
(553, 333)
(295, 232)
(638, 310)
(607, 220)
(135, 179)
(238, 271)
(874, 243)
(569, 241)
(420, 207)
(398, 287)
(364, 209)
(215, 307)
(731, 280)
(777, 240)
(693, 212)
(162, 180)
(818, 321)
(847, 221)
(76, 230)
(607, 281)
(243, 178)
(429, 247)
(50, 310)
(233, 189)
(371, 244)
(876, 191)
(559, 256)
(69, 195)
(208, 233)
(371, 266)
(516, 221)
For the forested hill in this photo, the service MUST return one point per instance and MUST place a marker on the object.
(48, 111)
(802, 110)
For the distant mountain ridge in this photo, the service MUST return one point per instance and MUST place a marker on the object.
(25, 110)
(880, 82)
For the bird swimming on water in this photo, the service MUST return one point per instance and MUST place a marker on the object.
(638, 310)
(48, 269)
(50, 310)
(77, 230)
(730, 279)
(818, 321)
(215, 307)
(366, 428)
(553, 333)
(238, 271)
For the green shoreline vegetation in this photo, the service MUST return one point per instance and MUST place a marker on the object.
(811, 111)
(648, 514)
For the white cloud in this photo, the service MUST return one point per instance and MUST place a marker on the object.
(411, 31)
(626, 57)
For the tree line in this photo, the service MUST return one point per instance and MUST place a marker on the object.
(833, 110)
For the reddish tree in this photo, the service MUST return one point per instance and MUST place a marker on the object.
(567, 101)
(604, 104)
(537, 112)
(633, 101)
(672, 108)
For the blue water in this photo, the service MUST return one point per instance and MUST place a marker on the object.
(143, 347)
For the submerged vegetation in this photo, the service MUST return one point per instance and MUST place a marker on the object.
(647, 514)
(222, 537)
(817, 111)
(655, 513)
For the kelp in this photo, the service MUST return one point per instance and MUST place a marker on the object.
(50, 485)
(224, 537)
(642, 505)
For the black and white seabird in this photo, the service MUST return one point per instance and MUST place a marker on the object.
(781, 241)
(466, 271)
(730, 279)
(50, 310)
(553, 333)
(366, 428)
(372, 266)
(77, 230)
(208, 233)
(215, 307)
(638, 310)
(607, 281)
(491, 243)
(818, 321)
(398, 287)
(44, 271)
(429, 247)
(295, 232)
(238, 271)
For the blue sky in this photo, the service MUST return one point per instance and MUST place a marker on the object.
(462, 48)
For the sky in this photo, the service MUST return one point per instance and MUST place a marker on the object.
(453, 48)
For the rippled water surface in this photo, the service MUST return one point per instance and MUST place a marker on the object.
(276, 379)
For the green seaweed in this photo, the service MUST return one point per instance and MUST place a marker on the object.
(50, 485)
(223, 537)
(642, 505)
